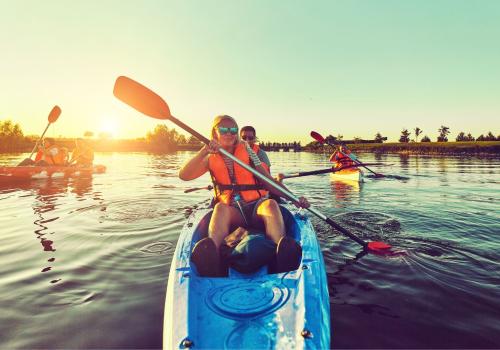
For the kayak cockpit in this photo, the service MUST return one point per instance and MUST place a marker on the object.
(253, 255)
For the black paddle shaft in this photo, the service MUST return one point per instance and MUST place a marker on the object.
(324, 171)
(188, 129)
(345, 232)
(289, 194)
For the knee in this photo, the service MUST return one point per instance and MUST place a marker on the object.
(221, 209)
(270, 205)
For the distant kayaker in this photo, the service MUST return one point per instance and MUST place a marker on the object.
(83, 154)
(48, 154)
(248, 134)
(241, 200)
(51, 154)
(39, 153)
(341, 157)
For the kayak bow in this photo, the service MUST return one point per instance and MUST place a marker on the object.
(10, 174)
(350, 174)
(288, 310)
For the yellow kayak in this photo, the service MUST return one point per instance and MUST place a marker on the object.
(350, 174)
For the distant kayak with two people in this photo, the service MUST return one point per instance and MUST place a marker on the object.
(51, 162)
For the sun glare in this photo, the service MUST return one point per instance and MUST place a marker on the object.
(109, 127)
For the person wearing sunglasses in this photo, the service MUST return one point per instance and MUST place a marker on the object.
(241, 200)
(341, 158)
(248, 134)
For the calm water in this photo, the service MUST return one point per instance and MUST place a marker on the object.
(84, 263)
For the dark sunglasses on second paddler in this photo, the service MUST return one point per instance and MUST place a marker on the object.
(223, 130)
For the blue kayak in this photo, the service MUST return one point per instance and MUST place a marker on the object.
(260, 310)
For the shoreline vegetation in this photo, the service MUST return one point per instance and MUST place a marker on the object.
(457, 148)
(165, 140)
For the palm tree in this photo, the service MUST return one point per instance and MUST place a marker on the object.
(443, 133)
(405, 136)
(418, 131)
(379, 138)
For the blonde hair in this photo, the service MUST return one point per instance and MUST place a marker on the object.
(217, 120)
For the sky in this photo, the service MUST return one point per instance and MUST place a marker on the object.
(346, 67)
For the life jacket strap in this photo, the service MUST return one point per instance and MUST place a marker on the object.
(236, 187)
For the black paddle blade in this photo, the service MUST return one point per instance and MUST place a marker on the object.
(54, 114)
(317, 137)
(141, 98)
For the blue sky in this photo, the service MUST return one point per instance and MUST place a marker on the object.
(286, 67)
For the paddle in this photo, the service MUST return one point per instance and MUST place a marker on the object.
(149, 103)
(53, 115)
(209, 187)
(322, 140)
(324, 171)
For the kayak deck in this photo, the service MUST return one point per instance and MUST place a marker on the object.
(350, 174)
(254, 311)
(27, 173)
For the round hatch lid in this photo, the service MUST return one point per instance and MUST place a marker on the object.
(247, 300)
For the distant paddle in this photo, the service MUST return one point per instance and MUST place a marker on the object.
(325, 171)
(209, 187)
(149, 103)
(322, 140)
(53, 116)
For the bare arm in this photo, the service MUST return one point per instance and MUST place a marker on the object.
(258, 166)
(196, 166)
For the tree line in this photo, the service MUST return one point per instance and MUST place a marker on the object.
(164, 139)
(12, 137)
(443, 133)
(270, 146)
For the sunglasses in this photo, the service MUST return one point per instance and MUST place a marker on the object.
(248, 138)
(223, 130)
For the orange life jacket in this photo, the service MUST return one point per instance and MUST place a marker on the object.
(39, 155)
(59, 158)
(83, 155)
(256, 149)
(244, 182)
(342, 160)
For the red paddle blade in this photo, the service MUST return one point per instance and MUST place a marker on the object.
(54, 114)
(141, 98)
(317, 137)
(377, 246)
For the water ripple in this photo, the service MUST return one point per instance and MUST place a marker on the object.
(88, 254)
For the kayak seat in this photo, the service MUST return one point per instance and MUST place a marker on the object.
(254, 253)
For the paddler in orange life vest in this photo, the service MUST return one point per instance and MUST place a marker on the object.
(51, 154)
(241, 201)
(248, 134)
(83, 154)
(341, 157)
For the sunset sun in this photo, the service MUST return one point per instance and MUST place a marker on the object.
(109, 127)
